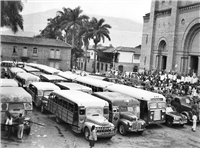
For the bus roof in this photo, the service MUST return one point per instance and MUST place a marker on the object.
(68, 75)
(135, 92)
(53, 77)
(14, 94)
(17, 69)
(30, 69)
(45, 86)
(117, 98)
(27, 76)
(81, 98)
(8, 83)
(74, 86)
(93, 82)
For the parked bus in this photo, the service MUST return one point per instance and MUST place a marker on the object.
(24, 79)
(68, 75)
(152, 105)
(81, 111)
(74, 86)
(95, 84)
(32, 70)
(15, 101)
(8, 83)
(39, 90)
(14, 70)
(124, 112)
(52, 78)
(44, 68)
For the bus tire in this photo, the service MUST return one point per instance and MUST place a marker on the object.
(140, 132)
(122, 129)
(58, 119)
(169, 122)
(28, 130)
(86, 133)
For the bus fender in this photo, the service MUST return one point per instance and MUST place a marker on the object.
(124, 122)
(187, 114)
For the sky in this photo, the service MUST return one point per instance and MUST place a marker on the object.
(131, 9)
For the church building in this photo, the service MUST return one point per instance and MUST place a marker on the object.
(171, 37)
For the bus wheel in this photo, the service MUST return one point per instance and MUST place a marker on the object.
(58, 119)
(86, 133)
(169, 123)
(28, 130)
(122, 129)
(139, 132)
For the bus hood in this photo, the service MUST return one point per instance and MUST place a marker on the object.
(128, 116)
(100, 120)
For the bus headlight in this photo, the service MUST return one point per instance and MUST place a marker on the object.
(151, 117)
(163, 116)
(81, 120)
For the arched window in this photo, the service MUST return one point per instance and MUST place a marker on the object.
(162, 45)
(135, 69)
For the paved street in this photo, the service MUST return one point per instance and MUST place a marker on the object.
(61, 136)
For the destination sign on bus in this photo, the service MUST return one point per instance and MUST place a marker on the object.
(156, 99)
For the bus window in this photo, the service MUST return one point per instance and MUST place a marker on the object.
(152, 105)
(115, 109)
(16, 106)
(123, 108)
(161, 105)
(82, 111)
(59, 101)
(71, 107)
(65, 104)
(105, 111)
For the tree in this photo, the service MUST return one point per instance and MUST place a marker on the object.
(10, 16)
(71, 22)
(86, 34)
(99, 32)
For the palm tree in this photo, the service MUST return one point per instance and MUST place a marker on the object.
(10, 16)
(86, 34)
(99, 32)
(72, 20)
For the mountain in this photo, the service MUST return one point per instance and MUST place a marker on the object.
(124, 32)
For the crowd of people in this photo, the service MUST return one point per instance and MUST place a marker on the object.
(162, 82)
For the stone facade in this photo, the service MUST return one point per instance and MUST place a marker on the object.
(170, 40)
(50, 52)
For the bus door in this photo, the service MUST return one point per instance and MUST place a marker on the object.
(75, 118)
(115, 117)
(144, 113)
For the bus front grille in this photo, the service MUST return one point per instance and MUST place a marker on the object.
(103, 129)
(157, 115)
(136, 125)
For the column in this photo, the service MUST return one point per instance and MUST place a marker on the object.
(198, 70)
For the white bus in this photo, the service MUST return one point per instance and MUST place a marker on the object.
(74, 86)
(32, 70)
(95, 84)
(39, 92)
(8, 83)
(152, 105)
(14, 70)
(24, 79)
(52, 78)
(68, 75)
(81, 111)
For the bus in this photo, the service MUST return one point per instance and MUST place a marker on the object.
(24, 79)
(52, 78)
(74, 86)
(152, 105)
(39, 90)
(44, 68)
(124, 112)
(8, 83)
(15, 101)
(81, 110)
(68, 75)
(14, 70)
(32, 70)
(95, 84)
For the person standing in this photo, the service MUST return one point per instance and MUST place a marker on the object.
(20, 126)
(93, 136)
(8, 123)
(194, 118)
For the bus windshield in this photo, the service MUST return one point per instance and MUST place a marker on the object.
(94, 111)
(16, 106)
(47, 92)
(152, 105)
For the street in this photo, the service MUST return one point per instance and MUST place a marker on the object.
(54, 135)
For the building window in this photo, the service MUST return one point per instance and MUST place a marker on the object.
(57, 65)
(146, 38)
(14, 49)
(51, 64)
(81, 65)
(35, 51)
(145, 60)
(136, 56)
(91, 53)
(57, 54)
(24, 53)
(106, 67)
(101, 66)
(1, 51)
(52, 53)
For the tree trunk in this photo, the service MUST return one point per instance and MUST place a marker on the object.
(94, 70)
